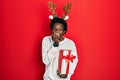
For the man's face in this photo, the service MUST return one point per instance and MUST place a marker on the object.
(58, 29)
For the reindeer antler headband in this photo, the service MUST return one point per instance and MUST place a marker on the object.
(52, 7)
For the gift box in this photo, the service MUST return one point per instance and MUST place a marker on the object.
(65, 61)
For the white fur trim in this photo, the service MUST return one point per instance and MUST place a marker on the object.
(66, 17)
(51, 17)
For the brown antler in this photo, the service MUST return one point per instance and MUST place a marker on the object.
(66, 9)
(52, 8)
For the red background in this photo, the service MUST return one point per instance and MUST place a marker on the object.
(94, 25)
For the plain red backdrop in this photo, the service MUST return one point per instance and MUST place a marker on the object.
(94, 25)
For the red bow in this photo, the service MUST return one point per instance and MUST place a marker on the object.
(69, 57)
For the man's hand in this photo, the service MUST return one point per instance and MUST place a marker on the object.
(56, 38)
(62, 75)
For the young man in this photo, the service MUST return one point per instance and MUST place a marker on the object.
(51, 48)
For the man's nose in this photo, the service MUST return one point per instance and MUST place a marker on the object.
(57, 31)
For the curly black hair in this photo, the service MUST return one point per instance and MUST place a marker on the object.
(58, 20)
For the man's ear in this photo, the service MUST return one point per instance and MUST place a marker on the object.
(64, 32)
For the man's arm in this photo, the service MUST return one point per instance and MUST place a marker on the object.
(48, 51)
(75, 61)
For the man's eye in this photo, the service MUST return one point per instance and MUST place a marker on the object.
(61, 29)
(58, 29)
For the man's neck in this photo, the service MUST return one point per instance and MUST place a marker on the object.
(62, 38)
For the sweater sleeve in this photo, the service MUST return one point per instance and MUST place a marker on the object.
(48, 51)
(75, 61)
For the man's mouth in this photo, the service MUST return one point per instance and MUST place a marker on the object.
(57, 34)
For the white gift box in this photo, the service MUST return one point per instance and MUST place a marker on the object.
(66, 61)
